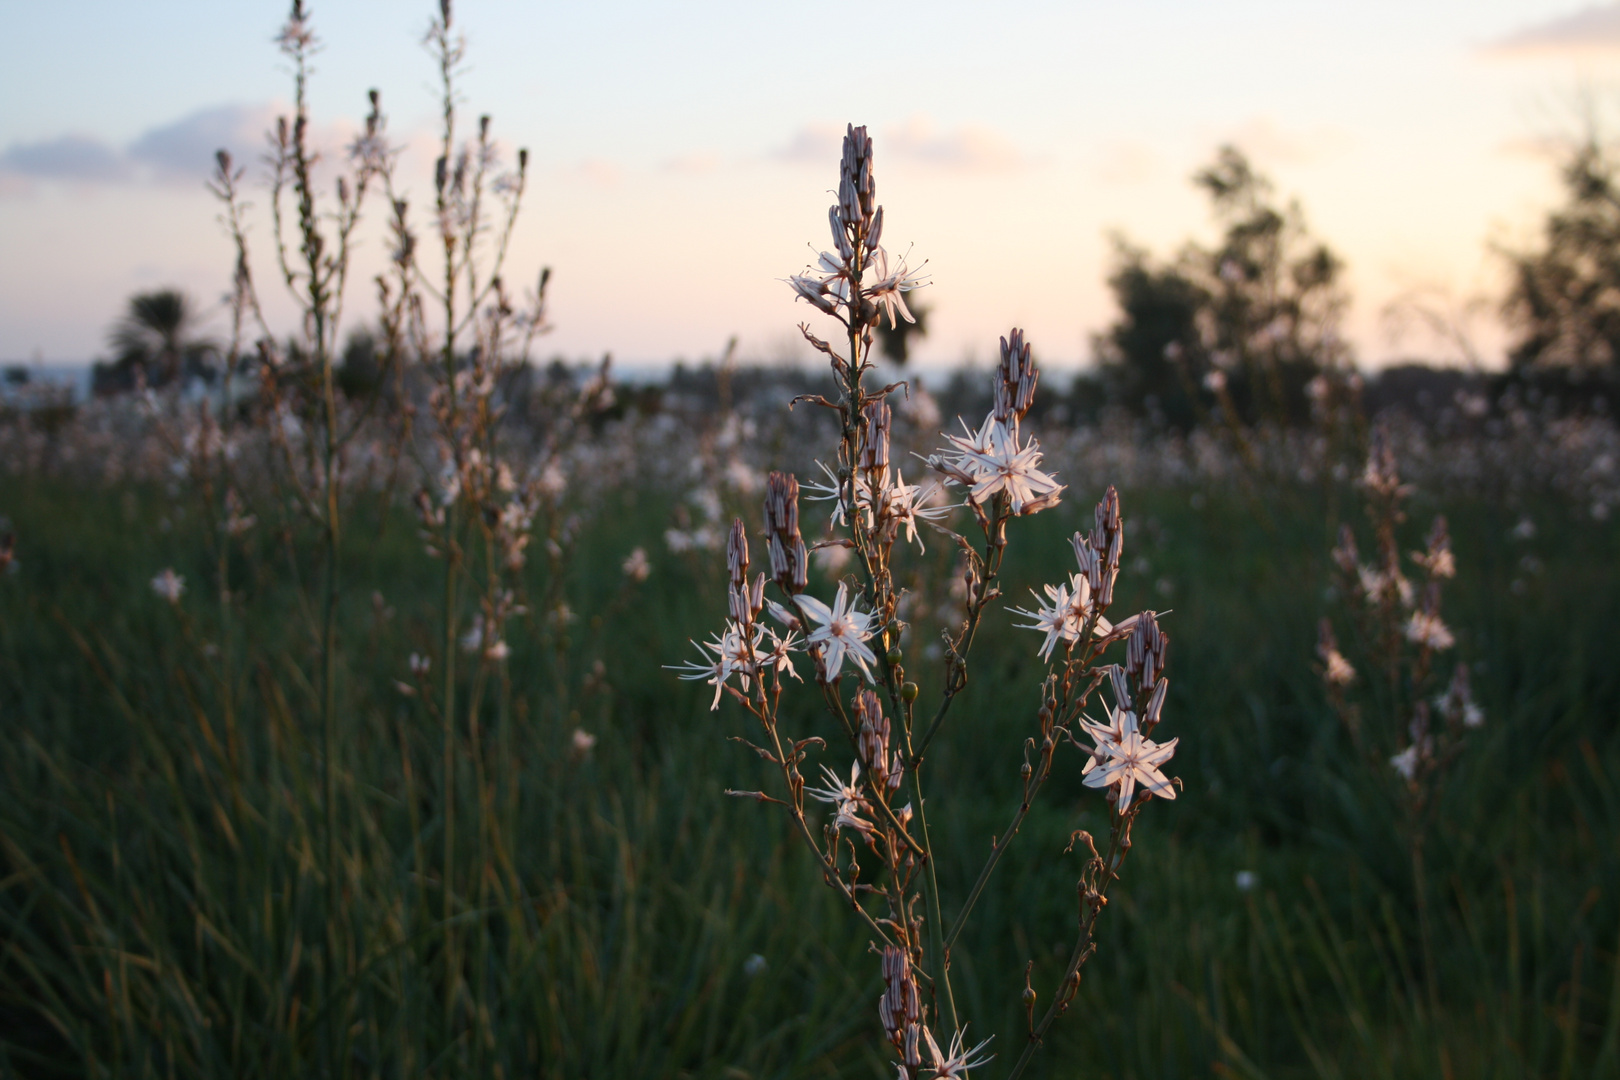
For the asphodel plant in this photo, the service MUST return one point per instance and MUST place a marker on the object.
(872, 839)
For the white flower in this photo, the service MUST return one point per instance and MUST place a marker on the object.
(169, 585)
(1065, 619)
(730, 653)
(1131, 760)
(1338, 671)
(552, 482)
(1246, 880)
(636, 567)
(891, 285)
(584, 741)
(1425, 628)
(1406, 762)
(847, 799)
(991, 461)
(902, 505)
(842, 630)
(958, 1061)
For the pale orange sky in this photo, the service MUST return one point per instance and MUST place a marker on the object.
(683, 156)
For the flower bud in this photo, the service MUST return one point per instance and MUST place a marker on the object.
(790, 564)
(737, 553)
(1016, 379)
(875, 451)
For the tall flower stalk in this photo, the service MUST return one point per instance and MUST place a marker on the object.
(1386, 695)
(874, 845)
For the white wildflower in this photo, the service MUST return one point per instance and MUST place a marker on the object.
(1425, 628)
(888, 291)
(635, 566)
(1132, 760)
(847, 800)
(843, 630)
(1336, 669)
(169, 585)
(958, 1061)
(1406, 762)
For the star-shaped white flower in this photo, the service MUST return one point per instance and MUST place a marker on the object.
(958, 1061)
(1011, 468)
(845, 798)
(991, 460)
(731, 653)
(1130, 760)
(888, 291)
(842, 630)
(902, 505)
(1066, 617)
(1425, 628)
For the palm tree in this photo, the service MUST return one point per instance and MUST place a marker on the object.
(155, 336)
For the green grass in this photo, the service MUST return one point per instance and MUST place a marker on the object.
(161, 832)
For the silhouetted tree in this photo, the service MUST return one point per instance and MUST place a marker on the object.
(895, 341)
(155, 339)
(1565, 297)
(1260, 309)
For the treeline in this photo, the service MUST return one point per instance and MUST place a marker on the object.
(1245, 330)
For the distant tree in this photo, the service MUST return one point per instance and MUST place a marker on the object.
(359, 370)
(1259, 310)
(155, 338)
(1154, 355)
(895, 341)
(1565, 297)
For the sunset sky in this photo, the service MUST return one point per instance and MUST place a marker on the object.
(682, 153)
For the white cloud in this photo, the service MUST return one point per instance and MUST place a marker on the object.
(1126, 162)
(812, 144)
(1263, 138)
(1593, 29)
(601, 172)
(916, 140)
(692, 164)
(180, 152)
(74, 158)
(185, 148)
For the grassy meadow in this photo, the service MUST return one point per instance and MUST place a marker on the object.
(179, 898)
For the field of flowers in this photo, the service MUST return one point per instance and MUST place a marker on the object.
(557, 884)
(391, 706)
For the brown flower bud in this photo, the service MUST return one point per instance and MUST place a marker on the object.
(875, 451)
(790, 564)
(737, 553)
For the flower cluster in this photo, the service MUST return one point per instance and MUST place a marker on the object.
(995, 460)
(838, 284)
(886, 504)
(1400, 624)
(874, 846)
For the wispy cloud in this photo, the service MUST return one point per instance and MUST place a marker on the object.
(917, 140)
(968, 148)
(1593, 29)
(185, 149)
(77, 158)
(181, 151)
(1263, 138)
(812, 144)
(601, 172)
